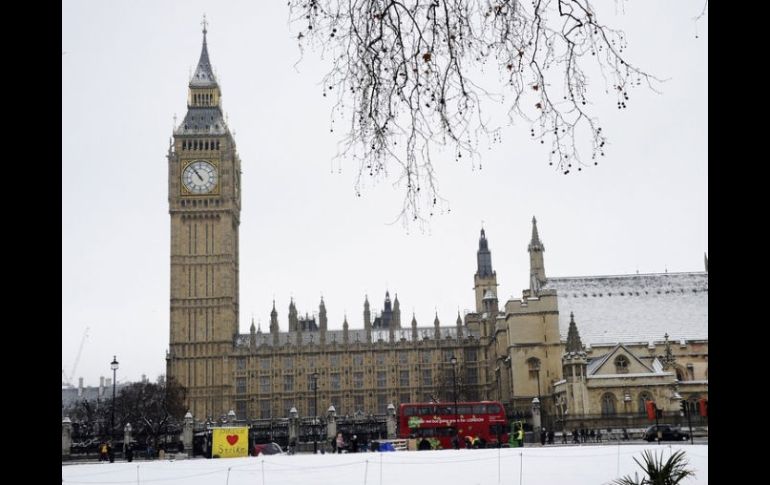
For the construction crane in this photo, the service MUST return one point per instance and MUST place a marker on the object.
(66, 380)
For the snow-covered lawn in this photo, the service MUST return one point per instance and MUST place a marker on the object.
(573, 465)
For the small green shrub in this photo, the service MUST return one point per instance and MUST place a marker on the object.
(670, 472)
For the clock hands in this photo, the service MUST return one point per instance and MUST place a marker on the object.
(196, 173)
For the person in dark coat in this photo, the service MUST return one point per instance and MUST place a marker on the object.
(542, 436)
(110, 452)
(129, 452)
(423, 445)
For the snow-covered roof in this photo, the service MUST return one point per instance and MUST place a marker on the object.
(634, 308)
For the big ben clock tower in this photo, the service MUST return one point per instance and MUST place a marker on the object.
(205, 206)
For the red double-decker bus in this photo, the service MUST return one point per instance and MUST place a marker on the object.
(440, 422)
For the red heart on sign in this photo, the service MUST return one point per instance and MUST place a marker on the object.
(232, 439)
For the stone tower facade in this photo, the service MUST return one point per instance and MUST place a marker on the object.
(205, 205)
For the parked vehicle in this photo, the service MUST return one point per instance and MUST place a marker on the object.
(667, 433)
(267, 449)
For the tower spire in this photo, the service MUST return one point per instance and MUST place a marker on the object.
(573, 336)
(204, 75)
(535, 242)
(536, 266)
(484, 257)
(367, 319)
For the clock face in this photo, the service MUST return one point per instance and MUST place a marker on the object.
(200, 177)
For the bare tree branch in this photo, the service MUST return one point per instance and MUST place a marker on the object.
(405, 78)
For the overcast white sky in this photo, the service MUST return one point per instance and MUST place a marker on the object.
(304, 233)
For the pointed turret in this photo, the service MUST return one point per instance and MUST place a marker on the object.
(367, 319)
(322, 320)
(204, 111)
(485, 279)
(293, 319)
(574, 363)
(459, 325)
(252, 334)
(396, 313)
(274, 324)
(204, 74)
(536, 266)
(484, 257)
(573, 337)
(436, 329)
(387, 318)
(706, 261)
(345, 331)
(414, 328)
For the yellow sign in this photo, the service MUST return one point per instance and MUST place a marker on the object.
(230, 442)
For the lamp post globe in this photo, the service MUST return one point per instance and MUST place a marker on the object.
(114, 367)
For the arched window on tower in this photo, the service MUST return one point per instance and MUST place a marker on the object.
(609, 404)
(641, 401)
(621, 364)
(534, 367)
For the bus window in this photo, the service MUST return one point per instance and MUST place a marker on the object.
(493, 409)
(463, 409)
(479, 409)
(424, 410)
(495, 429)
(410, 411)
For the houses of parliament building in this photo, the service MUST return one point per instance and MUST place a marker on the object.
(595, 345)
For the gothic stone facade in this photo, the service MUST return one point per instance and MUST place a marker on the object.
(529, 348)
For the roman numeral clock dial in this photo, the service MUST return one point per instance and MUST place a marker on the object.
(200, 177)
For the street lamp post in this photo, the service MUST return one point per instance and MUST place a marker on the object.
(314, 376)
(539, 398)
(453, 361)
(114, 367)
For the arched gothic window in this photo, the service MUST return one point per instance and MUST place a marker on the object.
(621, 364)
(641, 401)
(608, 404)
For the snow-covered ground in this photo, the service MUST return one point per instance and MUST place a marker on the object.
(573, 465)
